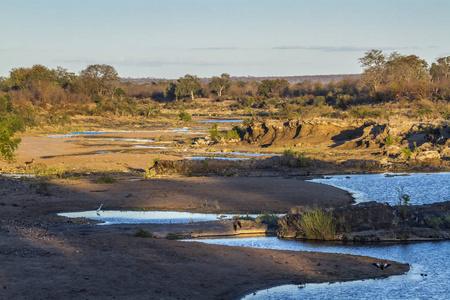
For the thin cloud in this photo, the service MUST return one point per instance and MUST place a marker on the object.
(215, 48)
(148, 63)
(340, 49)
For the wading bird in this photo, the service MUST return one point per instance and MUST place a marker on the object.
(99, 209)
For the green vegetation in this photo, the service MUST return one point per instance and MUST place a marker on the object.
(403, 202)
(303, 161)
(41, 187)
(317, 224)
(104, 178)
(184, 116)
(434, 222)
(389, 141)
(214, 132)
(267, 217)
(143, 233)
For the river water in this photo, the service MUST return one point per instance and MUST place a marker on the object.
(429, 277)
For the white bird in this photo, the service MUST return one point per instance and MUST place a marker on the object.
(99, 209)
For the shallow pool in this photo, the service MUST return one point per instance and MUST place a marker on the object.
(110, 217)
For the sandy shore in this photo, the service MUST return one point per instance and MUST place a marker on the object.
(44, 256)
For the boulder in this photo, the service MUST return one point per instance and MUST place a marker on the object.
(428, 155)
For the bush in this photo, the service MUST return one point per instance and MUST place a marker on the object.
(104, 178)
(143, 233)
(289, 152)
(214, 132)
(403, 202)
(434, 222)
(318, 225)
(389, 140)
(184, 116)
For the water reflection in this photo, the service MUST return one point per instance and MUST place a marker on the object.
(110, 217)
(423, 188)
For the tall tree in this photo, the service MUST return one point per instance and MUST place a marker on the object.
(373, 64)
(220, 84)
(189, 85)
(100, 79)
(440, 70)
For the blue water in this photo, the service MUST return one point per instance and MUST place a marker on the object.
(430, 258)
(110, 217)
(221, 121)
(215, 157)
(423, 188)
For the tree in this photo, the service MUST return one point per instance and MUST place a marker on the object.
(440, 71)
(267, 86)
(189, 85)
(9, 125)
(373, 64)
(220, 84)
(99, 79)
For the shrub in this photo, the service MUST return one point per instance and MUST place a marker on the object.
(41, 188)
(406, 152)
(143, 233)
(105, 178)
(184, 116)
(318, 224)
(389, 140)
(403, 202)
(434, 222)
(232, 135)
(289, 152)
(303, 160)
(267, 218)
(214, 132)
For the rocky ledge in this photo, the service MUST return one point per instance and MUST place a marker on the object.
(374, 222)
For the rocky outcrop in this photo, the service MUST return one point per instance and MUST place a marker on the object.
(373, 221)
(391, 136)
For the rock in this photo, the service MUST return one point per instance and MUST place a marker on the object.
(428, 155)
(373, 221)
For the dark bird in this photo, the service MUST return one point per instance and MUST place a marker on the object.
(381, 266)
(236, 223)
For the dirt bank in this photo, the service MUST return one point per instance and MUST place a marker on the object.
(45, 256)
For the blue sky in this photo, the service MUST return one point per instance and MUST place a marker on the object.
(171, 38)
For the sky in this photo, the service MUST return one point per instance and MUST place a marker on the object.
(171, 38)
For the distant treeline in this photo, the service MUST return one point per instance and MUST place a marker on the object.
(290, 79)
(390, 83)
(98, 89)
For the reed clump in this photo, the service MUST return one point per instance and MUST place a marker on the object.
(317, 224)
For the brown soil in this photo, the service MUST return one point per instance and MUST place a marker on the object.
(43, 256)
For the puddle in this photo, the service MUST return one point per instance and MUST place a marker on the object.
(149, 217)
(149, 147)
(18, 175)
(218, 158)
(240, 153)
(221, 121)
(81, 133)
